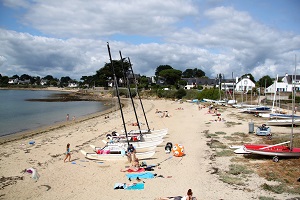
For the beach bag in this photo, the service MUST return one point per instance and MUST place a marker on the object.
(168, 147)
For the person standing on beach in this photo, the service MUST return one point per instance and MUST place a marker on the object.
(68, 153)
(131, 153)
(68, 117)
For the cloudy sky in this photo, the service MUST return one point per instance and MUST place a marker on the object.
(69, 37)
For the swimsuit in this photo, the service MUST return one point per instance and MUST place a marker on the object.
(68, 151)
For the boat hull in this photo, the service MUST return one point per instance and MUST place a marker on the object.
(120, 146)
(283, 122)
(272, 150)
(116, 156)
(263, 131)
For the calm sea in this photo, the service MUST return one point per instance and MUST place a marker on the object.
(17, 114)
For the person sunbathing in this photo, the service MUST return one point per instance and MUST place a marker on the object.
(189, 196)
(135, 166)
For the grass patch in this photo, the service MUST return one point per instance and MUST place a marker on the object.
(230, 124)
(240, 134)
(224, 153)
(220, 133)
(238, 169)
(239, 159)
(278, 189)
(265, 198)
(286, 172)
(210, 135)
(232, 180)
(230, 138)
(217, 144)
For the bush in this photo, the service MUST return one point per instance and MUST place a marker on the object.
(180, 93)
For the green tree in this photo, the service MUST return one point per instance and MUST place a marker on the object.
(64, 81)
(250, 77)
(265, 81)
(15, 76)
(161, 68)
(172, 76)
(4, 81)
(192, 73)
(180, 93)
(212, 93)
(182, 82)
(48, 77)
(144, 82)
(105, 73)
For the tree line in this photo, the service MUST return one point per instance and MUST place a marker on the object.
(172, 77)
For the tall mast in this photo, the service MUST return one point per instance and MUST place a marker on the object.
(137, 92)
(129, 90)
(293, 105)
(117, 91)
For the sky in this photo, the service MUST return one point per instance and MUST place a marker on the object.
(229, 37)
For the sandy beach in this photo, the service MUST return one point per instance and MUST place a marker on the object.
(201, 168)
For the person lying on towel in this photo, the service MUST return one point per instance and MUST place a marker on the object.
(135, 167)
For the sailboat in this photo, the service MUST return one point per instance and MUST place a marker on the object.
(141, 131)
(277, 150)
(117, 153)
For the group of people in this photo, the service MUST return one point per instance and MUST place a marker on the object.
(135, 166)
(68, 117)
(164, 113)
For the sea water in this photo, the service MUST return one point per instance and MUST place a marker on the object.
(17, 114)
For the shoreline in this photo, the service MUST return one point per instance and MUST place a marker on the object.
(83, 96)
(201, 169)
(47, 128)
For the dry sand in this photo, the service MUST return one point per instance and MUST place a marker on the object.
(93, 180)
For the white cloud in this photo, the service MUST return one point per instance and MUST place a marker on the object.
(219, 40)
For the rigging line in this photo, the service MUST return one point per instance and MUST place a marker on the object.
(117, 91)
(130, 94)
(137, 92)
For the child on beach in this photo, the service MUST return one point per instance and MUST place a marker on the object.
(68, 153)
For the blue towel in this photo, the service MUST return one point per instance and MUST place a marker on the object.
(137, 186)
(140, 175)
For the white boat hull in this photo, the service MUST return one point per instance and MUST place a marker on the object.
(140, 144)
(283, 122)
(116, 156)
(120, 146)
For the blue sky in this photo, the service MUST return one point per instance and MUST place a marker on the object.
(68, 38)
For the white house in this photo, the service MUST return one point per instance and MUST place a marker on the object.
(13, 81)
(286, 84)
(72, 85)
(188, 87)
(245, 84)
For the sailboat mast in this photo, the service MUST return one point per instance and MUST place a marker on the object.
(137, 92)
(130, 94)
(117, 91)
(293, 105)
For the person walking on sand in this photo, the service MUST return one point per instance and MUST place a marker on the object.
(68, 153)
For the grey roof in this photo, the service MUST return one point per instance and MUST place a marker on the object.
(290, 78)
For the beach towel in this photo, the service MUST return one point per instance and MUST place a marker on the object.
(140, 170)
(140, 175)
(120, 186)
(135, 186)
(132, 186)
